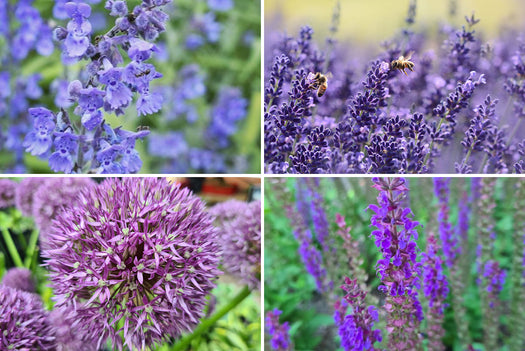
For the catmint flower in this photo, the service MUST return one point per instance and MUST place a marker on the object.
(7, 192)
(19, 278)
(39, 141)
(23, 321)
(137, 257)
(240, 236)
(79, 29)
(448, 238)
(229, 110)
(279, 333)
(220, 5)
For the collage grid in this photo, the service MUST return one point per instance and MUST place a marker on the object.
(262, 175)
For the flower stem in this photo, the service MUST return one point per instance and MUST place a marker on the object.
(208, 323)
(31, 249)
(11, 247)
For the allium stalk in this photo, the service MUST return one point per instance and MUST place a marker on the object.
(398, 269)
(279, 333)
(136, 259)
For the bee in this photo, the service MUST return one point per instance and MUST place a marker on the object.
(402, 63)
(143, 73)
(320, 82)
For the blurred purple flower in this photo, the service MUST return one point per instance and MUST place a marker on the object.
(7, 192)
(279, 333)
(19, 278)
(240, 236)
(25, 192)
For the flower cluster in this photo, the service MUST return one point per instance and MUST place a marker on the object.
(136, 258)
(109, 85)
(398, 268)
(449, 241)
(388, 122)
(356, 330)
(24, 322)
(19, 278)
(279, 333)
(7, 192)
(240, 236)
(23, 30)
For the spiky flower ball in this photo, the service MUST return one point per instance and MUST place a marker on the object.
(54, 194)
(24, 323)
(19, 278)
(25, 192)
(7, 192)
(137, 257)
(70, 333)
(240, 232)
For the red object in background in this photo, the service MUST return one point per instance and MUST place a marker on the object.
(222, 189)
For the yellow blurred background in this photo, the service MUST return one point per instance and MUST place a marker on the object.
(364, 20)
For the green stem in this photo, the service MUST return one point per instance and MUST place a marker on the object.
(11, 247)
(208, 323)
(31, 249)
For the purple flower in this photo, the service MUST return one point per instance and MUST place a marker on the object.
(7, 192)
(398, 268)
(137, 257)
(24, 322)
(70, 333)
(66, 146)
(79, 28)
(117, 93)
(279, 333)
(89, 103)
(356, 330)
(451, 249)
(19, 278)
(39, 141)
(229, 110)
(240, 236)
(25, 192)
(220, 5)
(52, 195)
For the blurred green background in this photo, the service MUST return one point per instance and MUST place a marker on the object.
(291, 289)
(362, 20)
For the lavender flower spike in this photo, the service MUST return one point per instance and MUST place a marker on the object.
(398, 269)
(136, 258)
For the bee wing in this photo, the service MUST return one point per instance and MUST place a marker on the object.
(409, 55)
(329, 75)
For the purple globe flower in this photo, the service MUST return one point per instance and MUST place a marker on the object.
(25, 193)
(23, 321)
(19, 278)
(7, 192)
(137, 258)
(52, 195)
(70, 333)
(240, 226)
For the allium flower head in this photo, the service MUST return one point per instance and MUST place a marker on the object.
(52, 195)
(19, 278)
(24, 323)
(70, 333)
(24, 194)
(136, 258)
(7, 192)
(240, 225)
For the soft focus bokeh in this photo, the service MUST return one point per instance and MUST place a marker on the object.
(376, 20)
